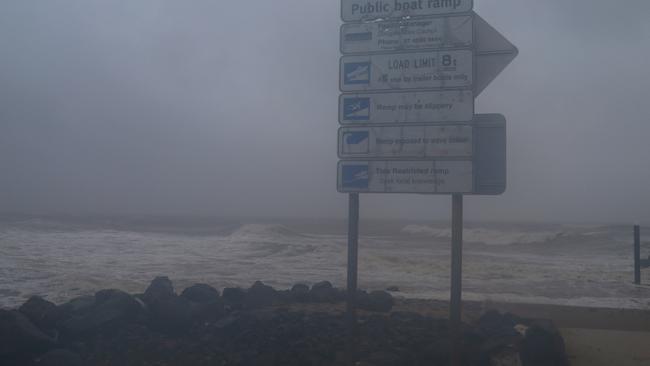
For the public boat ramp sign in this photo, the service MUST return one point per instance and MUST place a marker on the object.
(409, 74)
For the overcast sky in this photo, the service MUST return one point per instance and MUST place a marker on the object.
(229, 108)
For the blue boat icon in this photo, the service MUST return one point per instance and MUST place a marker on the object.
(356, 142)
(357, 73)
(356, 109)
(355, 177)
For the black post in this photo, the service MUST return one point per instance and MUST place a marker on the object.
(637, 254)
(353, 254)
(455, 306)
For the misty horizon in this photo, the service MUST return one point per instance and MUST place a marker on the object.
(227, 110)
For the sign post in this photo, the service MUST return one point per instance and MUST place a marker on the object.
(409, 74)
(637, 255)
(456, 305)
(353, 255)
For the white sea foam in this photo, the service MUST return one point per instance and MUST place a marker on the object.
(486, 236)
(63, 261)
(265, 231)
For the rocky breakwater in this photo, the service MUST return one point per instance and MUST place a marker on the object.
(256, 326)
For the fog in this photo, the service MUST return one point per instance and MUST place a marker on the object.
(229, 108)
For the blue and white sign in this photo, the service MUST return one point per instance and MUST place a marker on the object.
(354, 176)
(430, 159)
(407, 107)
(428, 177)
(355, 10)
(406, 35)
(356, 73)
(406, 142)
(355, 142)
(404, 71)
(355, 108)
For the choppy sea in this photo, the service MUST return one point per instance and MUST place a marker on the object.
(60, 258)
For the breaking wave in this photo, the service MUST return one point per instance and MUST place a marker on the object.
(486, 236)
(262, 231)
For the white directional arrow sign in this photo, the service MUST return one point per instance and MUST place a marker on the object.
(493, 53)
(429, 66)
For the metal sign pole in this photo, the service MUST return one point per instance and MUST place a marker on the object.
(353, 253)
(637, 255)
(455, 308)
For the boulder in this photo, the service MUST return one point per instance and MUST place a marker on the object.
(41, 312)
(206, 312)
(378, 301)
(77, 306)
(506, 357)
(168, 312)
(543, 345)
(498, 338)
(261, 295)
(171, 315)
(60, 357)
(234, 296)
(227, 323)
(201, 293)
(384, 358)
(323, 285)
(437, 352)
(324, 292)
(110, 308)
(300, 293)
(19, 336)
(160, 288)
(495, 324)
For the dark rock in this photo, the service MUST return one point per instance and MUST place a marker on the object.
(384, 358)
(77, 306)
(171, 315)
(261, 295)
(201, 293)
(393, 289)
(226, 322)
(300, 293)
(42, 313)
(323, 285)
(543, 345)
(18, 335)
(379, 301)
(285, 297)
(494, 324)
(207, 311)
(168, 312)
(60, 357)
(508, 356)
(324, 292)
(160, 288)
(438, 352)
(234, 296)
(106, 295)
(495, 344)
(110, 308)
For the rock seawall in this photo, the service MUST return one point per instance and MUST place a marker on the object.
(257, 326)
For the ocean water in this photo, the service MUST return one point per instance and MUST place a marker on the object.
(62, 258)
